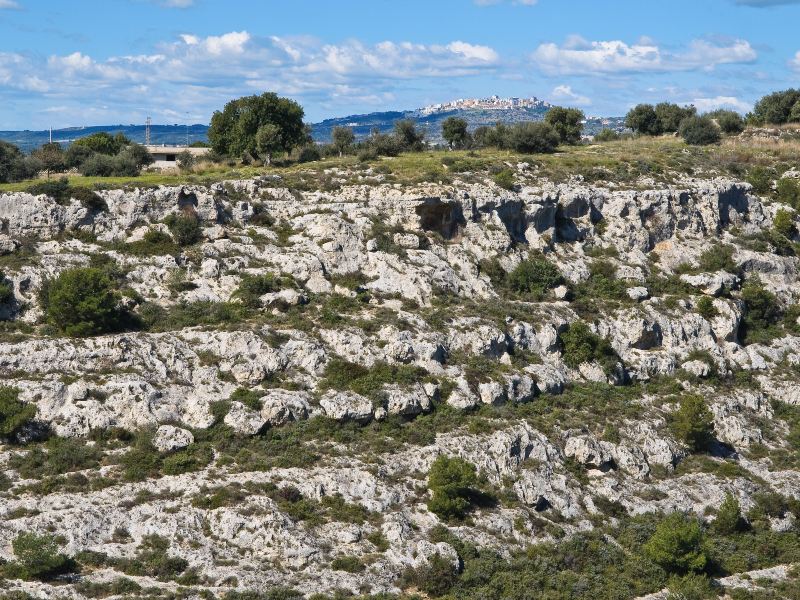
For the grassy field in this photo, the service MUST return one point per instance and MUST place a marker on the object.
(664, 160)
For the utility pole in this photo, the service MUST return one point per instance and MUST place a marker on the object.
(51, 134)
(147, 125)
(187, 130)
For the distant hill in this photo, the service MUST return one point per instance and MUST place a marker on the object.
(362, 125)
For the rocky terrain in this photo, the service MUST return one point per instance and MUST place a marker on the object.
(267, 418)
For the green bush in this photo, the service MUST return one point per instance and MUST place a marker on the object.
(729, 121)
(783, 224)
(693, 423)
(152, 560)
(718, 257)
(505, 179)
(6, 289)
(533, 138)
(534, 277)
(691, 587)
(453, 483)
(185, 228)
(436, 577)
(789, 192)
(309, 154)
(14, 414)
(349, 564)
(82, 302)
(699, 131)
(706, 308)
(38, 557)
(368, 381)
(762, 312)
(252, 287)
(56, 457)
(153, 243)
(761, 179)
(607, 135)
(670, 116)
(567, 122)
(194, 458)
(776, 108)
(581, 345)
(677, 545)
(643, 120)
(729, 516)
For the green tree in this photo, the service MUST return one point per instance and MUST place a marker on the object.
(568, 123)
(39, 557)
(789, 192)
(185, 228)
(693, 423)
(268, 141)
(762, 310)
(82, 302)
(643, 120)
(607, 135)
(408, 136)
(454, 131)
(342, 139)
(103, 143)
(677, 545)
(706, 308)
(699, 131)
(776, 108)
(670, 116)
(729, 516)
(234, 130)
(581, 345)
(14, 414)
(729, 121)
(15, 166)
(452, 482)
(52, 157)
(783, 223)
(530, 137)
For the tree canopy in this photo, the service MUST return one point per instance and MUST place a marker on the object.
(235, 129)
(567, 122)
(454, 131)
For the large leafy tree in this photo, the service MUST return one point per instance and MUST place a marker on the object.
(677, 545)
(568, 123)
(52, 157)
(235, 129)
(643, 119)
(454, 131)
(343, 139)
(777, 108)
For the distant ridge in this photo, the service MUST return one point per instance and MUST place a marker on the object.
(476, 112)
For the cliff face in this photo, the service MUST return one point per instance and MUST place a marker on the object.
(392, 333)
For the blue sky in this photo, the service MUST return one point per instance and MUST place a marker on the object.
(81, 62)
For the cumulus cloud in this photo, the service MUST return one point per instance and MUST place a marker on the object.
(199, 73)
(581, 57)
(564, 93)
(8, 4)
(795, 62)
(729, 102)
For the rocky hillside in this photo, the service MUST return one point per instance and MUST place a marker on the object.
(260, 412)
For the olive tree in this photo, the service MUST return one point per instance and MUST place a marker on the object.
(343, 139)
(454, 131)
(568, 123)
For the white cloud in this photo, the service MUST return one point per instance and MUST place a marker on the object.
(8, 4)
(580, 57)
(729, 102)
(176, 3)
(564, 93)
(795, 62)
(199, 74)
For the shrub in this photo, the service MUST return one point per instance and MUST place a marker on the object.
(729, 121)
(98, 165)
(677, 545)
(699, 131)
(186, 160)
(582, 346)
(435, 578)
(408, 137)
(252, 287)
(38, 557)
(643, 120)
(691, 587)
(607, 135)
(670, 116)
(783, 224)
(82, 302)
(152, 560)
(88, 199)
(789, 192)
(505, 179)
(534, 277)
(762, 312)
(693, 423)
(15, 166)
(14, 414)
(185, 228)
(706, 309)
(309, 154)
(57, 189)
(718, 257)
(343, 375)
(6, 289)
(349, 564)
(194, 458)
(729, 516)
(452, 482)
(567, 122)
(761, 179)
(529, 137)
(776, 108)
